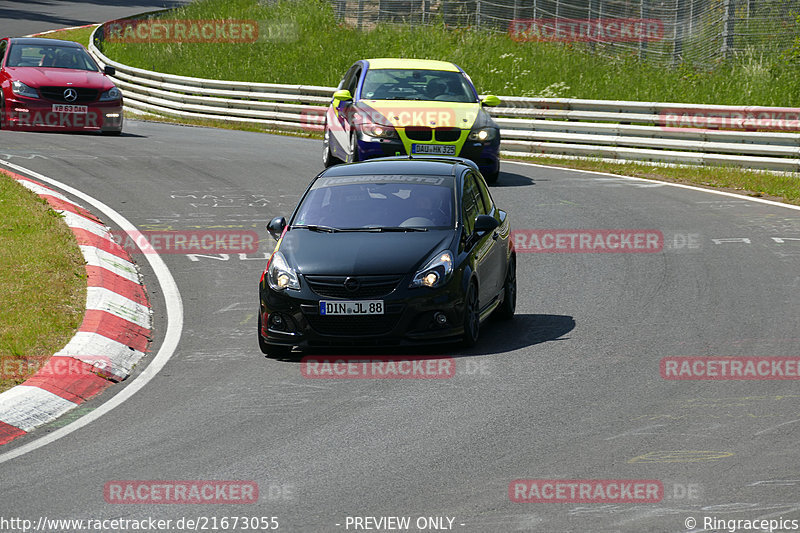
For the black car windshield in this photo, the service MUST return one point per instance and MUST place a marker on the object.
(370, 202)
(51, 56)
(405, 84)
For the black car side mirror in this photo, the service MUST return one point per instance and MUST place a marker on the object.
(276, 227)
(108, 69)
(485, 224)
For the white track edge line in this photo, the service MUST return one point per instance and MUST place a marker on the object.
(671, 184)
(174, 309)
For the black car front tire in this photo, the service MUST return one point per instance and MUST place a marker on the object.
(509, 305)
(472, 317)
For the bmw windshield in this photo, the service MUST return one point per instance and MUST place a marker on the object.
(377, 203)
(405, 84)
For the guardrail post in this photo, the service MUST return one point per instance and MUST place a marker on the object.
(677, 36)
(728, 19)
(643, 12)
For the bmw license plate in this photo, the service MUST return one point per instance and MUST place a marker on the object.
(66, 108)
(361, 307)
(435, 149)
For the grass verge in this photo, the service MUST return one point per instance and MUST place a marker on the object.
(302, 42)
(42, 282)
(80, 35)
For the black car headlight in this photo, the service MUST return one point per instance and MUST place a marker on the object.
(111, 94)
(436, 272)
(483, 134)
(279, 275)
(20, 89)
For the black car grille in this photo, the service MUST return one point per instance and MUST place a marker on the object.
(56, 94)
(419, 133)
(447, 135)
(368, 286)
(355, 326)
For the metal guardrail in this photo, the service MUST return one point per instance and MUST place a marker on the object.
(643, 131)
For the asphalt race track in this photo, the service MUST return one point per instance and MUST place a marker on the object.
(23, 17)
(571, 389)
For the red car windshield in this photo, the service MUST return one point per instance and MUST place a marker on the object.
(28, 55)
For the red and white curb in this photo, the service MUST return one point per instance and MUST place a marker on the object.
(113, 337)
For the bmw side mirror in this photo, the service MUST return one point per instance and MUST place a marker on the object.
(490, 100)
(276, 227)
(485, 223)
(108, 69)
(342, 95)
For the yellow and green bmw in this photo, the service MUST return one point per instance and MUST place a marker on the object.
(389, 107)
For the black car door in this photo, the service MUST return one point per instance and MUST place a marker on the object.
(482, 249)
(499, 255)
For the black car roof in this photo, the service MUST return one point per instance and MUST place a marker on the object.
(43, 42)
(423, 166)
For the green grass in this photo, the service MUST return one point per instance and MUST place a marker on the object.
(42, 282)
(80, 35)
(308, 46)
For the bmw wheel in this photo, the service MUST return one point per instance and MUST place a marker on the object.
(353, 148)
(328, 159)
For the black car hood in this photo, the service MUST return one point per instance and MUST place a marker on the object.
(361, 253)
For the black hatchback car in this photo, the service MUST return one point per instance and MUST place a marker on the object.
(388, 251)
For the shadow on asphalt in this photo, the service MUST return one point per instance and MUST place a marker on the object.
(497, 337)
(511, 179)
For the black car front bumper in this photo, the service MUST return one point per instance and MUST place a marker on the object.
(292, 317)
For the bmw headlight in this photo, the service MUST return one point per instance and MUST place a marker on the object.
(279, 275)
(20, 89)
(483, 134)
(379, 130)
(436, 272)
(111, 94)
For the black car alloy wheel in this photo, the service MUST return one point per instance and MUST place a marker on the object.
(472, 316)
(506, 310)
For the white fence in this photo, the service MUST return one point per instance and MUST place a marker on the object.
(644, 131)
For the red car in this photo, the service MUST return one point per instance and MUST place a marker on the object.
(47, 84)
